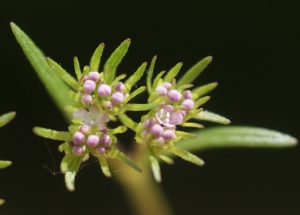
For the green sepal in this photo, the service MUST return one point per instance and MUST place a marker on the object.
(137, 75)
(135, 93)
(150, 74)
(104, 166)
(52, 134)
(77, 68)
(154, 165)
(237, 136)
(114, 60)
(187, 156)
(127, 121)
(173, 72)
(185, 135)
(6, 118)
(193, 72)
(62, 73)
(156, 80)
(4, 164)
(96, 57)
(56, 87)
(166, 159)
(212, 117)
(140, 107)
(201, 101)
(121, 156)
(200, 91)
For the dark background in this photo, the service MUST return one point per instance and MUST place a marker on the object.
(255, 46)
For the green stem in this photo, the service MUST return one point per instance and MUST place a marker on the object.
(143, 194)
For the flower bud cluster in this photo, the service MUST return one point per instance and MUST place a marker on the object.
(160, 129)
(96, 91)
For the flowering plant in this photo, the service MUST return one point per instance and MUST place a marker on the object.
(98, 97)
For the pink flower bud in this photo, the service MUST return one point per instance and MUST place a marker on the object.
(119, 87)
(78, 138)
(117, 98)
(160, 141)
(174, 96)
(92, 141)
(168, 134)
(104, 90)
(84, 129)
(167, 85)
(86, 99)
(148, 123)
(176, 118)
(157, 130)
(187, 94)
(94, 76)
(162, 90)
(89, 86)
(101, 150)
(105, 141)
(77, 150)
(188, 104)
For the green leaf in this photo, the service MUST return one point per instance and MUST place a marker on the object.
(166, 159)
(70, 180)
(193, 72)
(137, 75)
(185, 135)
(212, 117)
(200, 91)
(140, 107)
(96, 57)
(187, 156)
(156, 80)
(56, 87)
(173, 72)
(8, 116)
(150, 74)
(127, 121)
(114, 60)
(2, 201)
(135, 93)
(77, 68)
(63, 74)
(4, 164)
(104, 166)
(52, 134)
(128, 161)
(237, 136)
(154, 165)
(201, 101)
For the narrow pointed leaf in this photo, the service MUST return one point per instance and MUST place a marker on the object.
(119, 129)
(74, 164)
(185, 135)
(166, 159)
(200, 91)
(187, 156)
(237, 136)
(137, 75)
(128, 161)
(63, 74)
(173, 72)
(52, 134)
(157, 78)
(193, 72)
(4, 164)
(140, 107)
(135, 93)
(192, 125)
(150, 74)
(104, 166)
(96, 58)
(70, 180)
(209, 116)
(154, 165)
(114, 60)
(77, 68)
(201, 101)
(56, 87)
(127, 121)
(3, 122)
(8, 116)
(65, 162)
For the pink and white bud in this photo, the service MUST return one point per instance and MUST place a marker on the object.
(101, 150)
(176, 118)
(117, 98)
(77, 150)
(105, 141)
(92, 141)
(94, 76)
(187, 94)
(167, 85)
(162, 90)
(84, 129)
(89, 86)
(174, 96)
(109, 105)
(104, 90)
(78, 138)
(86, 99)
(120, 87)
(160, 141)
(148, 123)
(157, 130)
(168, 134)
(188, 104)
